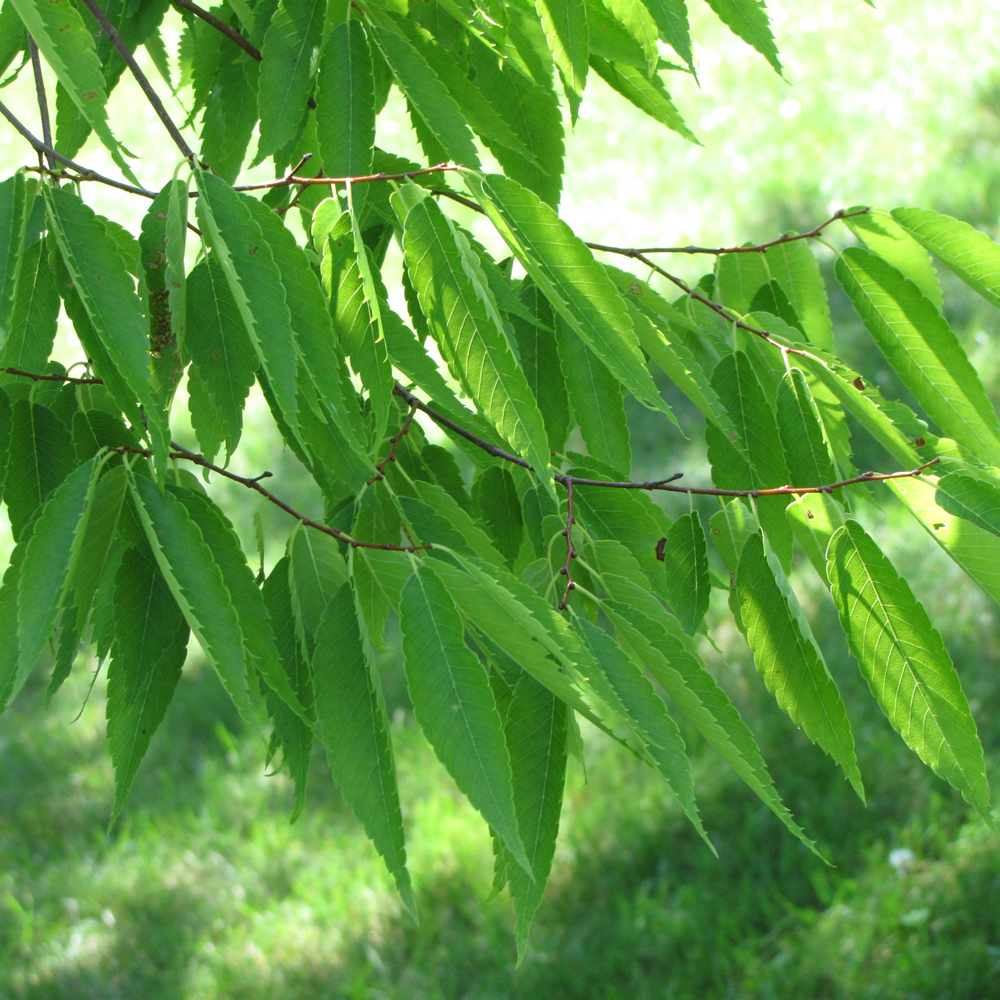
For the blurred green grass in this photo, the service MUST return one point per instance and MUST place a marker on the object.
(204, 889)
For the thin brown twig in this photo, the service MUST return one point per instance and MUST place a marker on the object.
(72, 379)
(233, 34)
(85, 173)
(756, 248)
(147, 88)
(43, 101)
(364, 179)
(571, 554)
(394, 444)
(253, 483)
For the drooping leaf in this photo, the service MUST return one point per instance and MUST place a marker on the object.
(596, 399)
(573, 282)
(565, 25)
(255, 283)
(316, 572)
(748, 19)
(108, 295)
(686, 564)
(535, 730)
(814, 518)
(672, 22)
(197, 584)
(736, 384)
(475, 349)
(793, 265)
(496, 495)
(427, 97)
(887, 239)
(648, 713)
(147, 653)
(454, 705)
(222, 356)
(294, 31)
(251, 610)
(972, 255)
(292, 734)
(41, 456)
(539, 358)
(789, 660)
(907, 667)
(49, 561)
(922, 349)
(230, 112)
(34, 313)
(973, 499)
(648, 95)
(352, 725)
(806, 454)
(532, 110)
(12, 219)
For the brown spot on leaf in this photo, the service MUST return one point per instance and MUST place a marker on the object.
(254, 250)
(859, 385)
(919, 442)
(661, 549)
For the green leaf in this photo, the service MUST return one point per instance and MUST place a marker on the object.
(887, 239)
(566, 32)
(539, 358)
(352, 725)
(500, 506)
(922, 349)
(789, 660)
(49, 562)
(454, 705)
(731, 527)
(12, 219)
(672, 22)
(806, 454)
(475, 349)
(345, 102)
(147, 653)
(222, 356)
(291, 733)
(747, 19)
(793, 265)
(686, 564)
(641, 27)
(294, 31)
(814, 518)
(11, 678)
(648, 714)
(532, 111)
(108, 295)
(230, 113)
(68, 46)
(574, 283)
(197, 584)
(34, 313)
(596, 398)
(41, 456)
(972, 255)
(427, 96)
(13, 37)
(535, 730)
(973, 499)
(736, 384)
(976, 550)
(255, 283)
(99, 531)
(335, 440)
(907, 667)
(255, 622)
(648, 95)
(671, 658)
(316, 572)
(467, 533)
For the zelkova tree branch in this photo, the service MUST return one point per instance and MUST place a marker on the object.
(233, 34)
(43, 101)
(570, 482)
